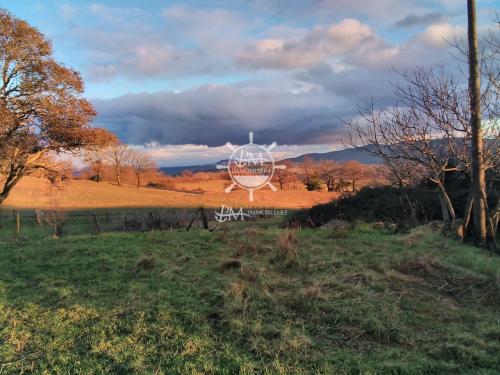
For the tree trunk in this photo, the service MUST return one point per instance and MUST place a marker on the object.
(467, 213)
(446, 206)
(495, 216)
(117, 175)
(478, 179)
(138, 181)
(444, 210)
(11, 181)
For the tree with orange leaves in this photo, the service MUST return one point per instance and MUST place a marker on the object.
(42, 110)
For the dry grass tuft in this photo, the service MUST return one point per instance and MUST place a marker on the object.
(145, 262)
(238, 292)
(415, 237)
(286, 247)
(252, 232)
(248, 274)
(312, 292)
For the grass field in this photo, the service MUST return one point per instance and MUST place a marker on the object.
(253, 299)
(33, 192)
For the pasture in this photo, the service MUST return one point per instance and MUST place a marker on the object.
(32, 192)
(249, 299)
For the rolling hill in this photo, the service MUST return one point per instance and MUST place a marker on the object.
(340, 155)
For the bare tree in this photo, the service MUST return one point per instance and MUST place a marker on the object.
(400, 173)
(118, 155)
(329, 173)
(310, 174)
(95, 156)
(407, 131)
(284, 176)
(429, 126)
(95, 160)
(354, 171)
(141, 163)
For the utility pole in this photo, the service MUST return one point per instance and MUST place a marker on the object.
(478, 179)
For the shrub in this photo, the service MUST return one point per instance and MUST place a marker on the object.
(406, 206)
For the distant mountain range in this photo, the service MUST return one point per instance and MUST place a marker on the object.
(340, 155)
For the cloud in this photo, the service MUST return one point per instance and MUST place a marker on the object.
(213, 115)
(328, 9)
(350, 45)
(67, 11)
(188, 41)
(189, 154)
(412, 19)
(339, 40)
(439, 35)
(135, 44)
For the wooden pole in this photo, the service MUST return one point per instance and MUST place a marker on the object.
(478, 176)
(17, 220)
(204, 218)
(192, 220)
(96, 223)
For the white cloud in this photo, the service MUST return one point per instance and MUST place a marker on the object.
(440, 35)
(337, 40)
(191, 154)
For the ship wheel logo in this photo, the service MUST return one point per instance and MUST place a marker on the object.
(251, 166)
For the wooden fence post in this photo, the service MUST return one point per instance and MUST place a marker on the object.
(204, 218)
(192, 220)
(17, 221)
(152, 220)
(96, 224)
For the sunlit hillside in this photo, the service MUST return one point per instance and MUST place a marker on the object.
(32, 192)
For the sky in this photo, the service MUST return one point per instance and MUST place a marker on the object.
(182, 78)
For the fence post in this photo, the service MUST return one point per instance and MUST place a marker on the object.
(17, 221)
(96, 224)
(204, 217)
(192, 220)
(152, 220)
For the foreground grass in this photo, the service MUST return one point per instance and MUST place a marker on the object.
(249, 299)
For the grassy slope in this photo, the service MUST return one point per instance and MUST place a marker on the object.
(253, 300)
(33, 192)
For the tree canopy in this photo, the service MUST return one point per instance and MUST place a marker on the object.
(42, 109)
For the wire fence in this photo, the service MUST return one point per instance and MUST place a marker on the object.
(19, 224)
(33, 224)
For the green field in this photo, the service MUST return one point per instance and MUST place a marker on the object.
(250, 299)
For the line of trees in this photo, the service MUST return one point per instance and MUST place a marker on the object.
(333, 175)
(118, 156)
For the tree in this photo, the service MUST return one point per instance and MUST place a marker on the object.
(354, 171)
(141, 163)
(476, 148)
(118, 155)
(328, 173)
(311, 178)
(283, 175)
(95, 156)
(41, 107)
(401, 173)
(429, 126)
